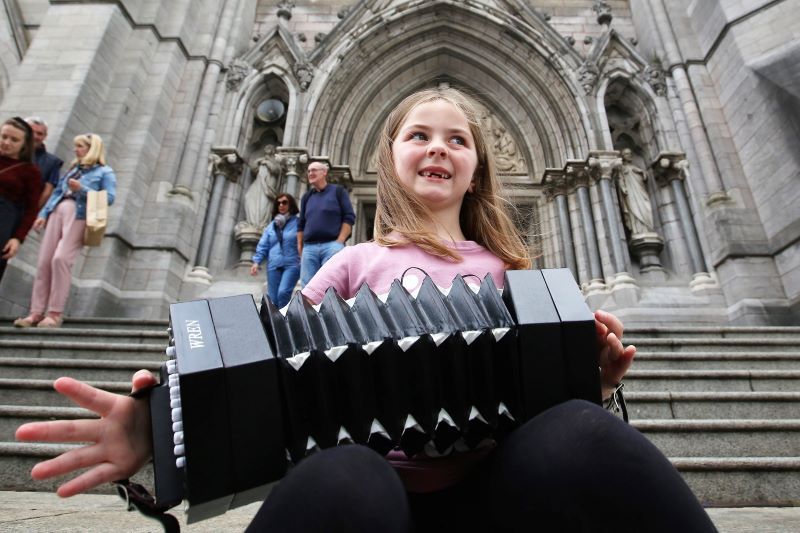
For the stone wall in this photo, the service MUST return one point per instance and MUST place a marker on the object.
(168, 82)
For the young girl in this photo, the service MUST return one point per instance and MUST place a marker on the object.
(574, 467)
(64, 220)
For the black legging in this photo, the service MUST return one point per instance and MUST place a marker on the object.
(574, 467)
(9, 218)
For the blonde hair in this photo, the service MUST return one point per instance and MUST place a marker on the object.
(96, 154)
(483, 216)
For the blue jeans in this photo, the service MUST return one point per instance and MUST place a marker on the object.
(314, 256)
(280, 284)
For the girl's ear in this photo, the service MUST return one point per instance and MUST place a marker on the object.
(471, 187)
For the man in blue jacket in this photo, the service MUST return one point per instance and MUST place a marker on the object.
(326, 220)
(49, 165)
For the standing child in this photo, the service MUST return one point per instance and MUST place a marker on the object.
(574, 467)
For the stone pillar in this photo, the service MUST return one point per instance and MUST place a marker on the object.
(555, 190)
(602, 164)
(670, 170)
(226, 165)
(577, 173)
(295, 160)
(188, 171)
(676, 66)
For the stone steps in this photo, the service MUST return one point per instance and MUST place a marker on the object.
(713, 380)
(82, 349)
(722, 403)
(729, 332)
(703, 405)
(86, 369)
(788, 360)
(699, 344)
(66, 334)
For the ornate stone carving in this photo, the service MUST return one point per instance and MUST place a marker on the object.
(554, 183)
(670, 166)
(285, 9)
(637, 210)
(293, 160)
(603, 165)
(267, 171)
(304, 73)
(226, 163)
(603, 10)
(577, 174)
(657, 79)
(237, 71)
(506, 153)
(587, 76)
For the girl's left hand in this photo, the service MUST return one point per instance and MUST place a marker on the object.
(10, 249)
(74, 185)
(615, 359)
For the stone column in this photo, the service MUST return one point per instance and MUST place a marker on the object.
(226, 165)
(602, 164)
(186, 180)
(577, 173)
(676, 66)
(670, 170)
(555, 190)
(295, 160)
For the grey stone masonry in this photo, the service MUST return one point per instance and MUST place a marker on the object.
(170, 84)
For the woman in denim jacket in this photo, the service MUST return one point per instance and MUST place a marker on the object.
(278, 245)
(64, 220)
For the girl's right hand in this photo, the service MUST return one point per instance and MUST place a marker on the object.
(120, 442)
(253, 269)
(39, 223)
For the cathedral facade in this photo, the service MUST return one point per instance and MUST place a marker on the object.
(650, 146)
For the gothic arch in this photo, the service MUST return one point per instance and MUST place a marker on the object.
(527, 85)
(254, 88)
(625, 96)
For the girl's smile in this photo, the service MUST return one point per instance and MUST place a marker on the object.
(434, 156)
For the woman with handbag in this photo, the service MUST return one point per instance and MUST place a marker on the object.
(20, 183)
(278, 245)
(64, 220)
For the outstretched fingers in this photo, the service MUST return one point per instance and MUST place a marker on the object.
(99, 475)
(88, 397)
(60, 431)
(75, 459)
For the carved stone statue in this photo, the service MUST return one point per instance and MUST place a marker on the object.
(256, 199)
(504, 148)
(587, 76)
(636, 208)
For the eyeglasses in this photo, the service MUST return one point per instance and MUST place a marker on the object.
(283, 202)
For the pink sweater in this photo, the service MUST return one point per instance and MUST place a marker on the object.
(379, 266)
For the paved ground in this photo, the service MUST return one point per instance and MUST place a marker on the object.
(40, 512)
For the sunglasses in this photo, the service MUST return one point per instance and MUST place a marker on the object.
(283, 202)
